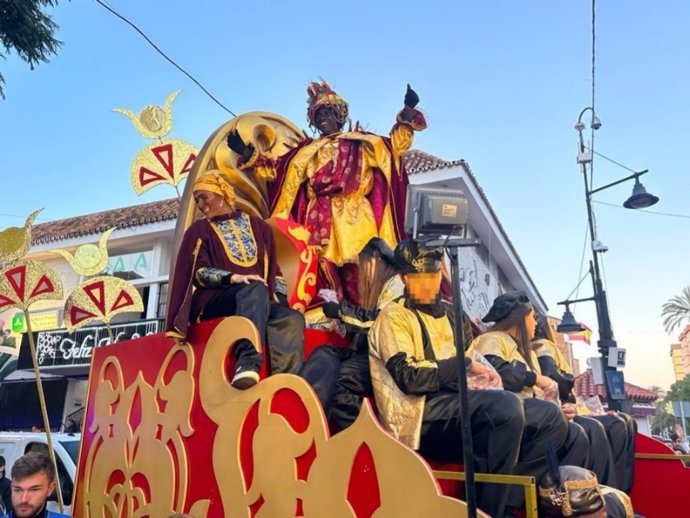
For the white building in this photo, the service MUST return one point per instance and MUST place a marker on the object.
(140, 251)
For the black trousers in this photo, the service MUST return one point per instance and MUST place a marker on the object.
(621, 431)
(279, 326)
(497, 420)
(600, 456)
(341, 379)
(547, 430)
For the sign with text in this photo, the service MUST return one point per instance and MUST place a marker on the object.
(616, 383)
(138, 264)
(60, 348)
(616, 357)
(39, 321)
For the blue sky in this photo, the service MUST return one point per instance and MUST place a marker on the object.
(502, 83)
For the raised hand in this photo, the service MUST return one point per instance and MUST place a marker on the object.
(236, 143)
(411, 97)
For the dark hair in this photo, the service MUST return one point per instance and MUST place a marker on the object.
(370, 289)
(516, 320)
(2, 461)
(32, 463)
(543, 330)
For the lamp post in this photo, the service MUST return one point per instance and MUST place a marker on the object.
(639, 199)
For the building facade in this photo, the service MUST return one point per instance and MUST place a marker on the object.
(141, 250)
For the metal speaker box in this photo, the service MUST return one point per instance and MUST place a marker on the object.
(435, 211)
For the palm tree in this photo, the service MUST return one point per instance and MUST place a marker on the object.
(676, 310)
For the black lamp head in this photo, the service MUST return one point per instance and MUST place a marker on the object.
(640, 198)
(568, 323)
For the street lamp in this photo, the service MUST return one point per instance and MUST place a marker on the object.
(639, 199)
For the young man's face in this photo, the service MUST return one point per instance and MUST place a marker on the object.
(29, 494)
(423, 288)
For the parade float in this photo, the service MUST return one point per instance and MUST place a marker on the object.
(164, 431)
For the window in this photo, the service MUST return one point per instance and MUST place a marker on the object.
(162, 300)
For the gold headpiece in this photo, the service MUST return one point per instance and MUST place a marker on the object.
(321, 94)
(217, 182)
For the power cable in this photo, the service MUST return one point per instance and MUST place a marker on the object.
(148, 40)
(613, 161)
(685, 216)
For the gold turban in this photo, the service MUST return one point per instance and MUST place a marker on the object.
(217, 182)
(321, 94)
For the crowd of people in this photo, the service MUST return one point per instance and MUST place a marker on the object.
(346, 187)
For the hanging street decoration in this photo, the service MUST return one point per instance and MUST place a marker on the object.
(164, 161)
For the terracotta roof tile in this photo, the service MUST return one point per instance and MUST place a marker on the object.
(100, 221)
(585, 387)
(417, 161)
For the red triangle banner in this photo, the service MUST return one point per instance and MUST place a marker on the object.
(146, 176)
(96, 293)
(5, 301)
(17, 279)
(44, 285)
(164, 154)
(122, 301)
(188, 164)
(79, 315)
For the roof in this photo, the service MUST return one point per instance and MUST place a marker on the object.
(585, 387)
(416, 162)
(99, 222)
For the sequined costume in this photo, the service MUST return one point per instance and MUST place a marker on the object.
(239, 244)
(345, 187)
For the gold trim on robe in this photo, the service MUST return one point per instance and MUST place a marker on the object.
(501, 344)
(396, 330)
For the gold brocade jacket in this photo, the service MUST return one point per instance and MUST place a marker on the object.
(501, 344)
(396, 330)
(353, 222)
(546, 347)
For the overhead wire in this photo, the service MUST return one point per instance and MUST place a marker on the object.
(170, 60)
(669, 214)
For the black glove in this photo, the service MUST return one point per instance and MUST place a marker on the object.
(411, 97)
(236, 143)
(331, 309)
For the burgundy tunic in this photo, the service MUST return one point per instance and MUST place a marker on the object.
(204, 247)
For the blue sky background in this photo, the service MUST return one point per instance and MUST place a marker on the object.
(502, 83)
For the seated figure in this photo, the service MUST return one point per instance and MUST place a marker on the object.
(506, 345)
(413, 362)
(554, 365)
(226, 265)
(340, 376)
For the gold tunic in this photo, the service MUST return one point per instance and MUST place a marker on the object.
(396, 330)
(501, 344)
(353, 223)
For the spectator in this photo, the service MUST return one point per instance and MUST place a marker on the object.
(33, 481)
(5, 491)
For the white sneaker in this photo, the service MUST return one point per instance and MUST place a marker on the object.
(245, 377)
